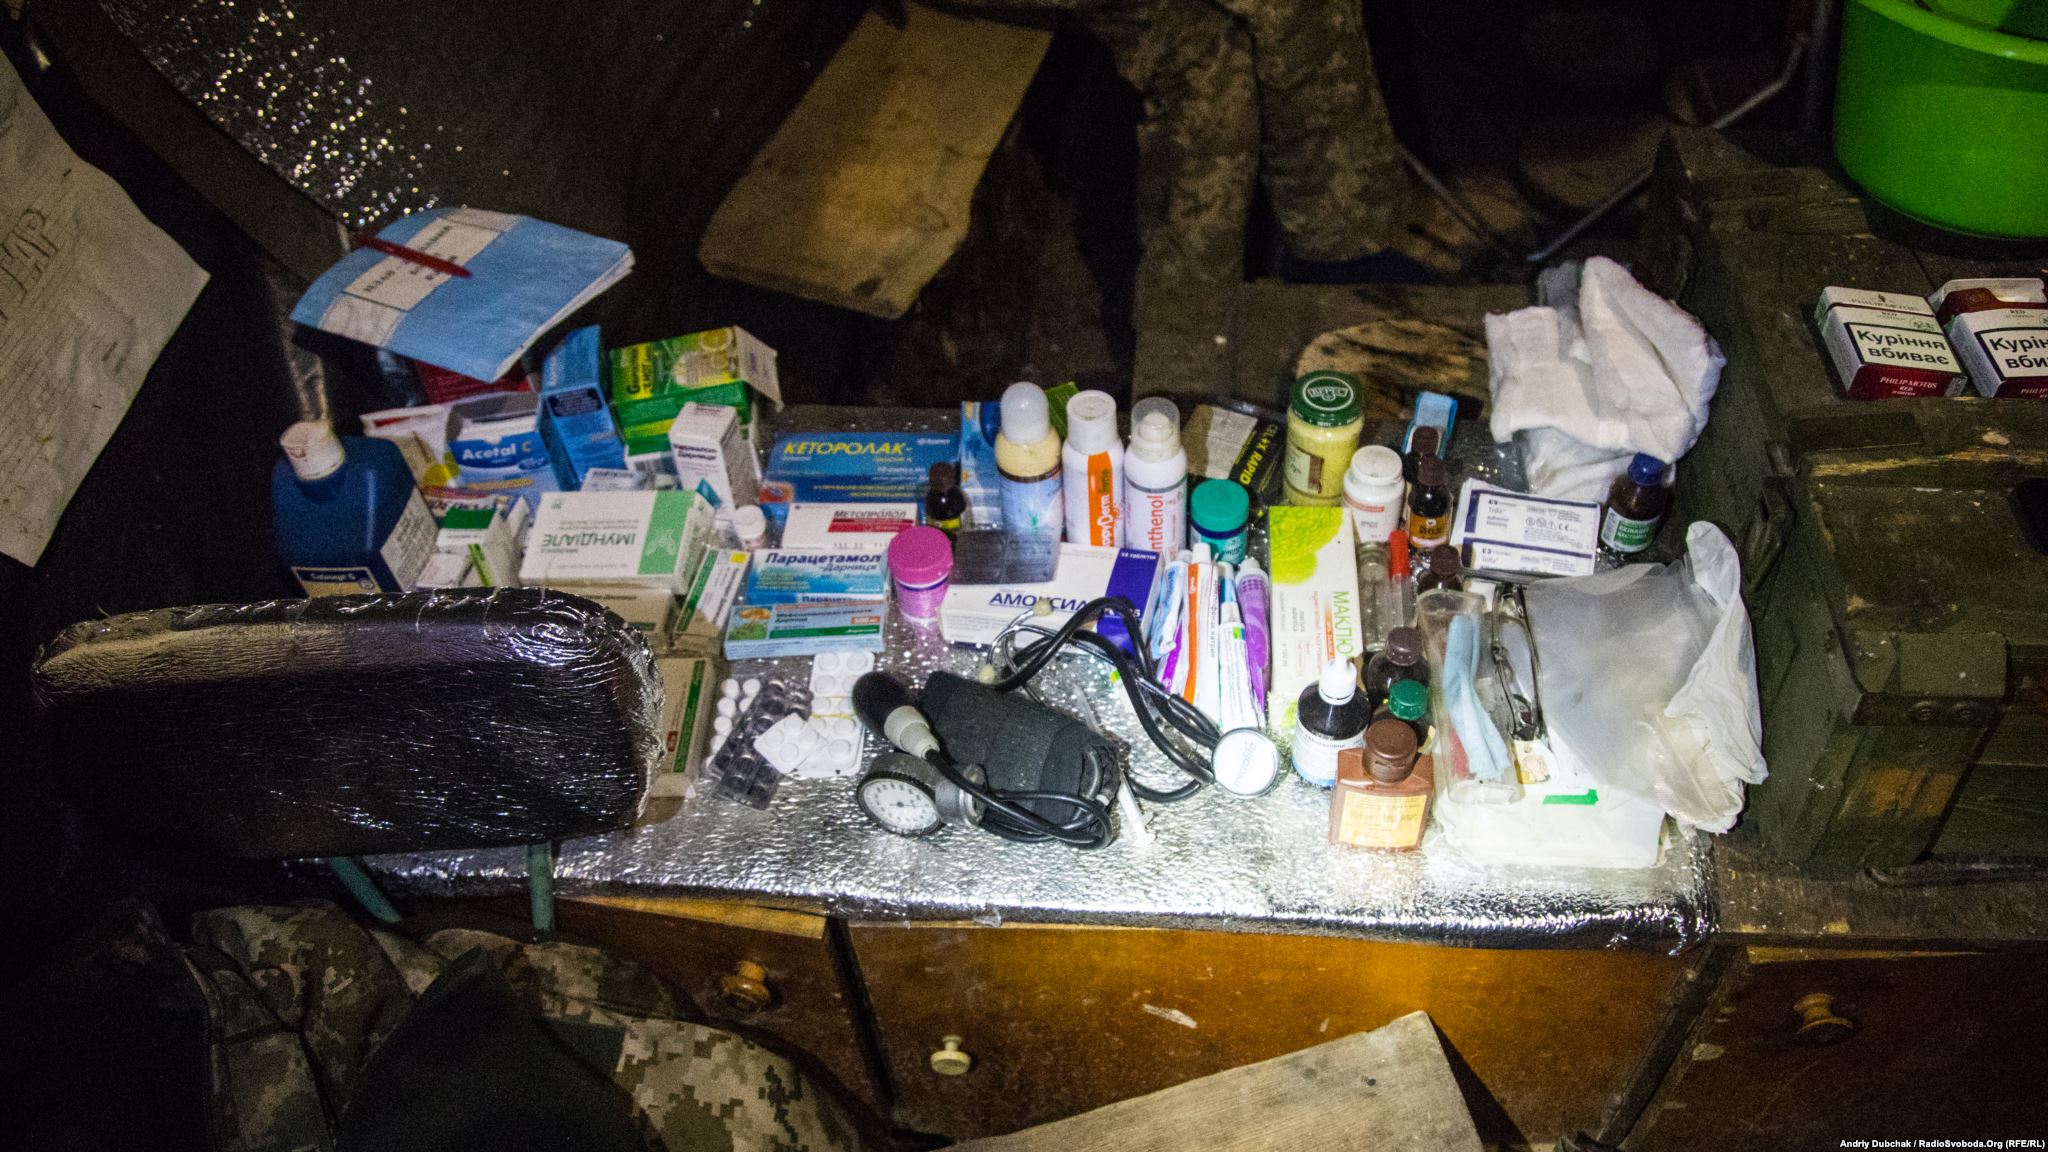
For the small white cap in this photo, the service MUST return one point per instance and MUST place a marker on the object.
(1155, 428)
(313, 449)
(1374, 464)
(1250, 567)
(1091, 421)
(751, 524)
(1245, 762)
(1338, 682)
(1025, 420)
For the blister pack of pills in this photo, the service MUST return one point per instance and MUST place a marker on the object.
(737, 769)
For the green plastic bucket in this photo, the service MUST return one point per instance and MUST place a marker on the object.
(1943, 119)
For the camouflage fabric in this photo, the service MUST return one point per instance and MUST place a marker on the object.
(307, 990)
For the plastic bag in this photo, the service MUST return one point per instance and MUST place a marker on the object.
(1647, 674)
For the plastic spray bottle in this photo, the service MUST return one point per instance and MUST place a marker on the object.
(1156, 479)
(349, 520)
(1092, 470)
(1028, 462)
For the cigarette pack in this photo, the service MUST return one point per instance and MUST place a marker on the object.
(1314, 611)
(1885, 345)
(761, 630)
(1999, 329)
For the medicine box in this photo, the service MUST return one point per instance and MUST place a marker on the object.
(975, 613)
(575, 417)
(817, 575)
(1885, 345)
(980, 422)
(652, 612)
(487, 537)
(650, 539)
(496, 443)
(709, 603)
(708, 447)
(1513, 532)
(651, 381)
(851, 467)
(1314, 611)
(762, 630)
(846, 527)
(689, 689)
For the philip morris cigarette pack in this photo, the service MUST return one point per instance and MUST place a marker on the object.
(688, 690)
(846, 527)
(851, 467)
(974, 613)
(761, 630)
(708, 446)
(1885, 345)
(709, 603)
(1999, 329)
(817, 576)
(650, 539)
(1314, 613)
(651, 612)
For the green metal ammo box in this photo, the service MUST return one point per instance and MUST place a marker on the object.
(1892, 551)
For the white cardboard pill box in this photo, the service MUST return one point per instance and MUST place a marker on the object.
(712, 594)
(846, 527)
(689, 687)
(651, 539)
(1314, 611)
(975, 613)
(762, 630)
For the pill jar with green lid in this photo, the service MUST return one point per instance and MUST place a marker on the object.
(1323, 421)
(1221, 511)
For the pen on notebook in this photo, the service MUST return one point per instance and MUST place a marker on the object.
(414, 255)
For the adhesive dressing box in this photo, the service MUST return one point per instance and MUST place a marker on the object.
(1223, 444)
(975, 613)
(689, 689)
(1314, 610)
(1999, 329)
(816, 576)
(654, 539)
(851, 467)
(496, 442)
(762, 630)
(575, 417)
(704, 611)
(1512, 532)
(1885, 345)
(846, 527)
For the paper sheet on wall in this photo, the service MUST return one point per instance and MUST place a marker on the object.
(90, 292)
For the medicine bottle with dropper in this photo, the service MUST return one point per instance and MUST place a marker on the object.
(1156, 479)
(1028, 463)
(1330, 717)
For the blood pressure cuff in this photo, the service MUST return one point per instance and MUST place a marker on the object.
(343, 726)
(1022, 745)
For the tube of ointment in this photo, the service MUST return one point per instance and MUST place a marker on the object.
(1254, 593)
(1236, 707)
(1192, 640)
(1164, 637)
(1207, 697)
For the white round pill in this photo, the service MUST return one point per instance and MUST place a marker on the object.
(727, 708)
(722, 725)
(752, 687)
(730, 688)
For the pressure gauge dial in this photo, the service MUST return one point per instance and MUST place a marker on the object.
(901, 793)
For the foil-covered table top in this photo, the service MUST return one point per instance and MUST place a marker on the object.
(1213, 862)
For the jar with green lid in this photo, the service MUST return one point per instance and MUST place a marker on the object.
(1323, 421)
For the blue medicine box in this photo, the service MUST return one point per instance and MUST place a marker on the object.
(851, 467)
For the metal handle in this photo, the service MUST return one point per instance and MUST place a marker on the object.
(950, 1060)
(1819, 1024)
(745, 989)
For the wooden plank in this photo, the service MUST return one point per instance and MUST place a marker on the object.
(1389, 1088)
(863, 194)
(752, 916)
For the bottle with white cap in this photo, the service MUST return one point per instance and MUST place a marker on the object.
(1330, 717)
(1092, 466)
(1028, 462)
(349, 520)
(1155, 479)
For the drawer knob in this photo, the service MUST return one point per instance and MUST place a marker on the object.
(745, 989)
(1819, 1024)
(950, 1060)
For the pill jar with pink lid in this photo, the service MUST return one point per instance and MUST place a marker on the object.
(920, 563)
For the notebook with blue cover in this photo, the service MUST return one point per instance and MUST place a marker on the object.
(525, 275)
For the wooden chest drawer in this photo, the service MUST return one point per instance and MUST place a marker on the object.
(1058, 1020)
(764, 973)
(1805, 1048)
